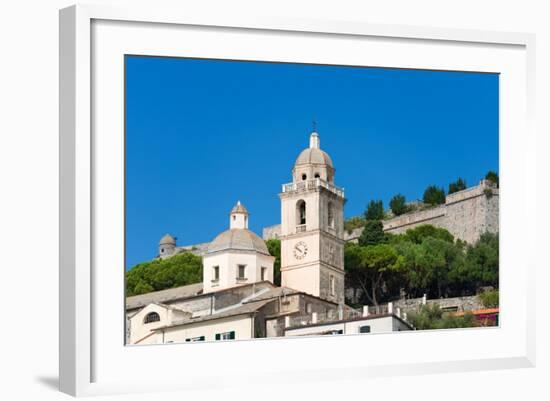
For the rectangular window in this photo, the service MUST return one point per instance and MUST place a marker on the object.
(201, 338)
(241, 272)
(364, 329)
(229, 335)
(264, 273)
(216, 273)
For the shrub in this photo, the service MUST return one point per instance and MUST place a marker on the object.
(489, 299)
(493, 177)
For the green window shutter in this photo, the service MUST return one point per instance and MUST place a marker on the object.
(201, 338)
(232, 335)
(218, 336)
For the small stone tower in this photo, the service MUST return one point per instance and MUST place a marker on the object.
(167, 246)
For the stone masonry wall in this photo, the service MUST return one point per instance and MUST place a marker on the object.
(466, 214)
(271, 232)
(461, 304)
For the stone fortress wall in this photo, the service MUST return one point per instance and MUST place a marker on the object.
(466, 214)
(197, 249)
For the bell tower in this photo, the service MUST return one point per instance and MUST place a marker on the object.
(312, 226)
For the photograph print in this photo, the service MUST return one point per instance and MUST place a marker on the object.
(267, 199)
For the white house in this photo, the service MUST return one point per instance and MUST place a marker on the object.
(360, 325)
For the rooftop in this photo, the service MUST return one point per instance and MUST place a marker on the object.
(239, 208)
(238, 239)
(163, 296)
(243, 309)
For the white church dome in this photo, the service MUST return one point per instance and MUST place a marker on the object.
(240, 239)
(314, 154)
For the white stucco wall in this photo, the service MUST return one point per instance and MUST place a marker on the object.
(228, 266)
(139, 329)
(306, 279)
(241, 325)
(384, 324)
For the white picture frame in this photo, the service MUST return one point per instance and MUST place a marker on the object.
(92, 363)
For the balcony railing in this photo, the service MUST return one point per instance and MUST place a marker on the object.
(312, 184)
(301, 228)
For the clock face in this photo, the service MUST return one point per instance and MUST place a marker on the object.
(300, 250)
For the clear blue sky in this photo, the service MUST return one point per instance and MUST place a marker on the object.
(202, 134)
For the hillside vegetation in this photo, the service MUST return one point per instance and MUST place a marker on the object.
(160, 274)
(424, 260)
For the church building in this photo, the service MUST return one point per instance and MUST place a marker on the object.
(238, 299)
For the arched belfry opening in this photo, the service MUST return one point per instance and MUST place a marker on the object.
(300, 212)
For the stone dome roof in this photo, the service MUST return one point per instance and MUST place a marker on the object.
(313, 156)
(238, 239)
(167, 240)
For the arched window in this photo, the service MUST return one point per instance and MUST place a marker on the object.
(300, 212)
(304, 177)
(151, 317)
(317, 175)
(330, 215)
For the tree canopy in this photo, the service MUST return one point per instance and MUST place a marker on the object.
(373, 233)
(373, 266)
(434, 195)
(398, 205)
(456, 186)
(429, 261)
(274, 248)
(160, 274)
(375, 210)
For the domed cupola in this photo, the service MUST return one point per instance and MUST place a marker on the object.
(237, 256)
(313, 162)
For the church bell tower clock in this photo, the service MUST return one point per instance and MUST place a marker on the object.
(312, 227)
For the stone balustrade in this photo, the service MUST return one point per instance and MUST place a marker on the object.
(312, 184)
